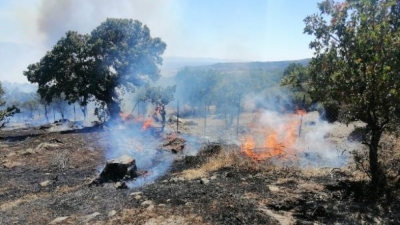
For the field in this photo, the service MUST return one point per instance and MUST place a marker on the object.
(45, 176)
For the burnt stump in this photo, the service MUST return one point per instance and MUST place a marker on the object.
(122, 168)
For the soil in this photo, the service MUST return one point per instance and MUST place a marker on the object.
(45, 175)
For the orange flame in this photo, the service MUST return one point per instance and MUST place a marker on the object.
(126, 116)
(149, 122)
(266, 142)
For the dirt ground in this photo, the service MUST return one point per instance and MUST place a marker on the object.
(44, 177)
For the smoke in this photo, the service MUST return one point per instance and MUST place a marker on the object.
(57, 17)
(144, 146)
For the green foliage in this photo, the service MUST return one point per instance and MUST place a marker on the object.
(5, 112)
(357, 65)
(117, 56)
(296, 76)
(160, 96)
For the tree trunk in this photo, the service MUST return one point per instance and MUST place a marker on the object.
(113, 109)
(163, 120)
(378, 177)
(45, 113)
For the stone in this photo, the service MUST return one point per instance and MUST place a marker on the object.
(273, 188)
(90, 216)
(46, 146)
(120, 185)
(213, 177)
(10, 165)
(147, 203)
(45, 183)
(150, 207)
(112, 213)
(136, 193)
(11, 154)
(204, 181)
(59, 220)
(28, 151)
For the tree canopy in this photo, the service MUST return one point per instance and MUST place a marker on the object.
(356, 63)
(116, 57)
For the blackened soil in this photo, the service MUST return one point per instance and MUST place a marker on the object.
(230, 195)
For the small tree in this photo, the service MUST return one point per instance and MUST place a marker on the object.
(356, 63)
(5, 112)
(160, 97)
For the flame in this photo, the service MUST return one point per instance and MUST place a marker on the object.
(126, 116)
(265, 141)
(149, 122)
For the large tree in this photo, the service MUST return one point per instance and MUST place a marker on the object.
(357, 64)
(117, 56)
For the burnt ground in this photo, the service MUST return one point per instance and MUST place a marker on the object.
(45, 175)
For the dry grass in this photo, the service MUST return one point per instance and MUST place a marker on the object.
(158, 215)
(223, 159)
(226, 158)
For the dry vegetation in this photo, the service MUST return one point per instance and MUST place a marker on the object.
(219, 185)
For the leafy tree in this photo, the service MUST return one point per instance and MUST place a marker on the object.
(31, 106)
(5, 112)
(117, 56)
(356, 63)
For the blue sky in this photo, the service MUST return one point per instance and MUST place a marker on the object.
(237, 30)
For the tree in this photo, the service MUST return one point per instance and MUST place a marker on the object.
(356, 63)
(196, 87)
(117, 56)
(160, 97)
(5, 112)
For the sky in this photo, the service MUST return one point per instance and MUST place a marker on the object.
(235, 30)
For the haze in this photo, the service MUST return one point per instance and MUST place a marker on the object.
(229, 30)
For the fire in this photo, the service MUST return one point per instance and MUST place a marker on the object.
(126, 116)
(149, 122)
(272, 140)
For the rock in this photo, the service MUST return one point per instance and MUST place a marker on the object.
(28, 151)
(273, 188)
(59, 220)
(213, 177)
(118, 169)
(47, 146)
(138, 197)
(136, 193)
(150, 207)
(45, 183)
(11, 165)
(147, 203)
(112, 213)
(204, 181)
(11, 154)
(90, 216)
(120, 185)
(173, 180)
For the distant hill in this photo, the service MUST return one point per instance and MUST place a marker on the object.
(18, 87)
(248, 66)
(172, 65)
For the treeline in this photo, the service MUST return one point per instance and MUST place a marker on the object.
(226, 91)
